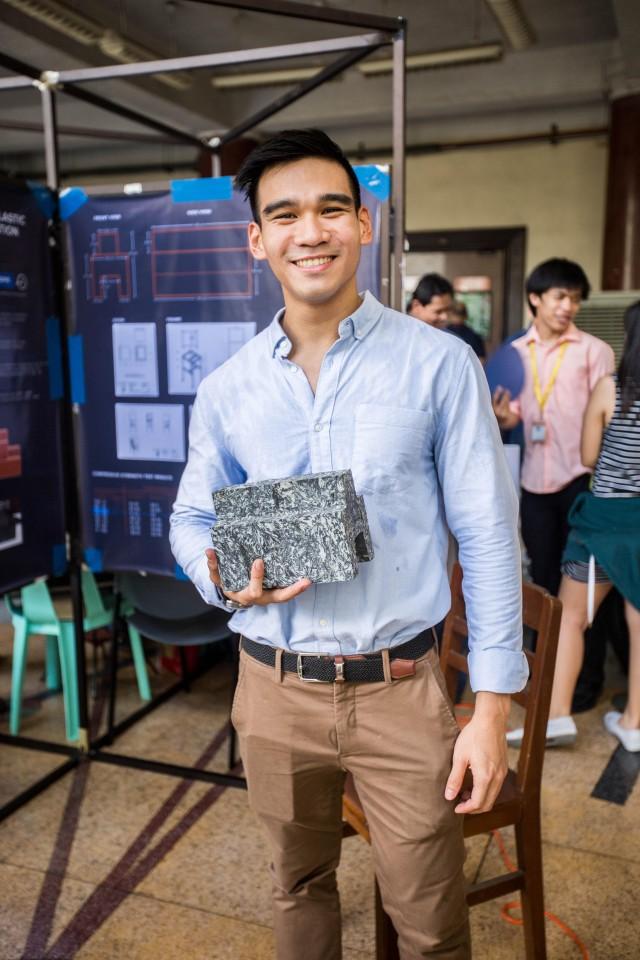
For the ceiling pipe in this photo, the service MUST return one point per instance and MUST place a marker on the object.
(513, 23)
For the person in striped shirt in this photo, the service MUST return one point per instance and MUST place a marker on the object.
(603, 548)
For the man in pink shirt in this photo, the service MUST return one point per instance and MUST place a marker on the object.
(562, 365)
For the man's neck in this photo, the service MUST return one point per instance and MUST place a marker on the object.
(315, 326)
(547, 335)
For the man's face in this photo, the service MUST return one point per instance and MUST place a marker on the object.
(436, 312)
(556, 308)
(310, 232)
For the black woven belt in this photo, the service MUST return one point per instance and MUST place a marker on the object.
(324, 668)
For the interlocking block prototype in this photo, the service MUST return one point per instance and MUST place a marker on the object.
(311, 526)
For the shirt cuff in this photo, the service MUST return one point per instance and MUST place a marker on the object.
(498, 671)
(206, 587)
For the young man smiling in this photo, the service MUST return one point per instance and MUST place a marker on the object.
(339, 381)
(562, 365)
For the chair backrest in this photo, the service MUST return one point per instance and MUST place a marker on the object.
(37, 605)
(541, 612)
(159, 596)
(92, 598)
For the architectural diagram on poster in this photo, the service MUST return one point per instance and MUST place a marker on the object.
(10, 524)
(135, 360)
(195, 349)
(146, 431)
(110, 268)
(200, 261)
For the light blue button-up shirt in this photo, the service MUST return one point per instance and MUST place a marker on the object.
(407, 408)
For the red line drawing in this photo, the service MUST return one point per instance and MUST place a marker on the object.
(208, 246)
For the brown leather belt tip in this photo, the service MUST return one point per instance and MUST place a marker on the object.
(357, 668)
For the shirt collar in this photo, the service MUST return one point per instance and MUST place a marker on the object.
(572, 334)
(357, 325)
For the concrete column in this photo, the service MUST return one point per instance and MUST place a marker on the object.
(621, 258)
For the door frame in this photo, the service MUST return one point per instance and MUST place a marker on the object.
(510, 240)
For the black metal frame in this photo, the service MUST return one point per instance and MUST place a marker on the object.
(387, 31)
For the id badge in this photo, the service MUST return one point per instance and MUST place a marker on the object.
(538, 432)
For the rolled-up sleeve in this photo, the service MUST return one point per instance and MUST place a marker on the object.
(482, 513)
(209, 467)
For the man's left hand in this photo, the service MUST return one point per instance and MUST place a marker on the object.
(482, 748)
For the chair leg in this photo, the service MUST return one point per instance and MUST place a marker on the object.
(386, 936)
(235, 662)
(68, 663)
(184, 668)
(529, 848)
(137, 652)
(113, 677)
(52, 664)
(18, 664)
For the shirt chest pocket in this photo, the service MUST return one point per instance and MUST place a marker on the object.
(389, 447)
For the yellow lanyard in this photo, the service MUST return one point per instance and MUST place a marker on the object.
(541, 396)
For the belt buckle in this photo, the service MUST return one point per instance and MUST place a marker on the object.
(301, 674)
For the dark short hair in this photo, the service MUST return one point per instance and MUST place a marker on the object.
(431, 285)
(288, 146)
(459, 309)
(557, 272)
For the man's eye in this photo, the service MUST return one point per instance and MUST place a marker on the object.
(333, 210)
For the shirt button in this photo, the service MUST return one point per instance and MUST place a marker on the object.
(317, 427)
(322, 623)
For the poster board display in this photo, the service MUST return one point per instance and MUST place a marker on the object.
(163, 289)
(32, 533)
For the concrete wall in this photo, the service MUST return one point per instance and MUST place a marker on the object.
(557, 192)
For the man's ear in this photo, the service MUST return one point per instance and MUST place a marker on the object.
(366, 230)
(255, 241)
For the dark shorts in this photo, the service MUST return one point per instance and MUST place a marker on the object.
(578, 570)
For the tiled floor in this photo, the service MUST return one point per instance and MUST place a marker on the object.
(114, 863)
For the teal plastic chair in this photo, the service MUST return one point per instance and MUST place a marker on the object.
(39, 615)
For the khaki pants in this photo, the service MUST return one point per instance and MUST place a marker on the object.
(297, 739)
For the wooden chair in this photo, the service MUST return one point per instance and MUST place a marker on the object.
(518, 802)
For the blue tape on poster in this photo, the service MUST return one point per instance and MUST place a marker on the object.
(202, 189)
(44, 198)
(54, 358)
(71, 199)
(58, 559)
(179, 573)
(93, 558)
(76, 366)
(376, 179)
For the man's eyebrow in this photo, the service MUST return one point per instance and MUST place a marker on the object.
(342, 198)
(277, 205)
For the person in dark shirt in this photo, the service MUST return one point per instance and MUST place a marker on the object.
(458, 326)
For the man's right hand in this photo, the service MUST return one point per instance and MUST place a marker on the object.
(254, 593)
(500, 402)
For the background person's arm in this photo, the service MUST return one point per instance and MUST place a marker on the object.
(596, 417)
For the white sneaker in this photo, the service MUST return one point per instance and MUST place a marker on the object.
(630, 739)
(561, 732)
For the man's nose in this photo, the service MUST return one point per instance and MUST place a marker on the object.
(310, 231)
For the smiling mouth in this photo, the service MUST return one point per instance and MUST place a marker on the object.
(308, 263)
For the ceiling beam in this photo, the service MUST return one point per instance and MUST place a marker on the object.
(305, 11)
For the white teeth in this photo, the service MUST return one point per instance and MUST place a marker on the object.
(314, 261)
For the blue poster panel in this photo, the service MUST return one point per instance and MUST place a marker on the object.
(31, 492)
(163, 290)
